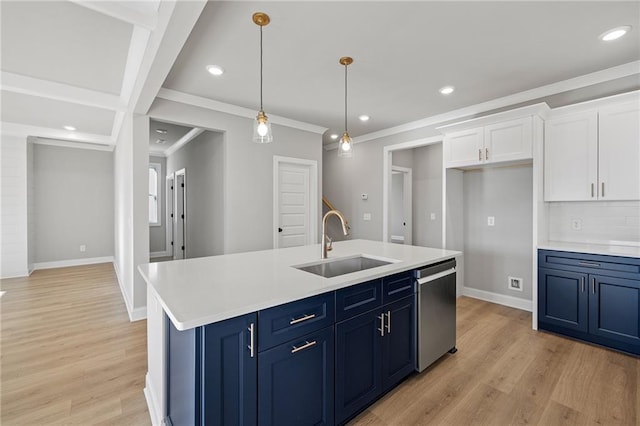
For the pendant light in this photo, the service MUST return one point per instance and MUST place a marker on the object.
(261, 127)
(345, 145)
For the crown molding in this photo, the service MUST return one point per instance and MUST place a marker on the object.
(121, 12)
(18, 83)
(22, 130)
(191, 135)
(597, 77)
(70, 144)
(199, 101)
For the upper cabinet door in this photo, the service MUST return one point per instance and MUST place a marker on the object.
(464, 148)
(619, 148)
(508, 141)
(571, 157)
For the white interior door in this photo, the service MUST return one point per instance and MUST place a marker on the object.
(180, 219)
(401, 207)
(295, 202)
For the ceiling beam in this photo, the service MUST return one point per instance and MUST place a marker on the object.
(22, 130)
(191, 135)
(120, 11)
(18, 83)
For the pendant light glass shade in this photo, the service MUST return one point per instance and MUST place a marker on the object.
(261, 127)
(345, 145)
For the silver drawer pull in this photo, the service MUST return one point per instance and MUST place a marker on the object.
(582, 283)
(594, 264)
(304, 318)
(251, 346)
(381, 329)
(305, 346)
(479, 154)
(388, 322)
(593, 285)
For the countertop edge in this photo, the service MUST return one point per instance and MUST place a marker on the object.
(587, 248)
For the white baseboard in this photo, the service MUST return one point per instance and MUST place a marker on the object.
(501, 299)
(72, 262)
(134, 314)
(152, 403)
(138, 314)
(155, 254)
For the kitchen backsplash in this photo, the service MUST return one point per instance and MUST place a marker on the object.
(606, 222)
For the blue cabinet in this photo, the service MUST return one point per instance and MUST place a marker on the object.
(374, 351)
(212, 373)
(296, 381)
(590, 297)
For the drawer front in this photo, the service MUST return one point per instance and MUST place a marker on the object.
(358, 299)
(292, 320)
(398, 286)
(614, 266)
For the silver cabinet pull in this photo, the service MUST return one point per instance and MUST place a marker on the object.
(388, 322)
(594, 264)
(582, 283)
(486, 154)
(593, 285)
(381, 329)
(602, 190)
(251, 338)
(479, 154)
(592, 193)
(304, 318)
(306, 345)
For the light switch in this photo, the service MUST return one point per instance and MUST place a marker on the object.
(365, 196)
(491, 221)
(366, 216)
(433, 216)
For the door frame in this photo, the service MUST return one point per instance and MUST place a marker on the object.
(407, 208)
(183, 173)
(169, 181)
(312, 165)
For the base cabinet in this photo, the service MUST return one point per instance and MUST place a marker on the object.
(590, 297)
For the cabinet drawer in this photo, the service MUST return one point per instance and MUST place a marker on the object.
(286, 322)
(352, 301)
(615, 266)
(398, 286)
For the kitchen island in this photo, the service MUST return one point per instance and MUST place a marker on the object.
(199, 296)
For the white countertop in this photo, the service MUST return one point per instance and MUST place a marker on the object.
(196, 292)
(606, 249)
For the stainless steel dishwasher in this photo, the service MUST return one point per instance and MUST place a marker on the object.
(436, 312)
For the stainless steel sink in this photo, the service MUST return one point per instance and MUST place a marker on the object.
(334, 267)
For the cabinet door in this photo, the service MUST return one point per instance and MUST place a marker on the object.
(614, 309)
(508, 141)
(619, 152)
(296, 381)
(464, 148)
(229, 369)
(399, 342)
(358, 372)
(571, 157)
(563, 299)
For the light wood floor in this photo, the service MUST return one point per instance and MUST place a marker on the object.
(71, 356)
(69, 353)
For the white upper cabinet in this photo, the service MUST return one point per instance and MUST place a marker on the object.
(571, 157)
(495, 139)
(593, 154)
(619, 149)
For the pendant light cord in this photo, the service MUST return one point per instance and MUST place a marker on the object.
(260, 67)
(345, 98)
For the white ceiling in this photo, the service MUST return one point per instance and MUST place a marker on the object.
(174, 133)
(76, 62)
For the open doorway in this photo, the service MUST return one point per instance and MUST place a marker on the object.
(401, 215)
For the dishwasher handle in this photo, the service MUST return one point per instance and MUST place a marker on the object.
(437, 276)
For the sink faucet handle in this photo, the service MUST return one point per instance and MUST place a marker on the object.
(329, 243)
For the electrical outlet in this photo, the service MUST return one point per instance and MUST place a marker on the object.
(515, 283)
(491, 221)
(366, 216)
(83, 248)
(576, 224)
(433, 216)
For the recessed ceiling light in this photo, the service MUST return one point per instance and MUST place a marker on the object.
(161, 131)
(215, 69)
(69, 128)
(334, 136)
(447, 90)
(364, 117)
(160, 141)
(615, 33)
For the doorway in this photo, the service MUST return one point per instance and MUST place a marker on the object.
(401, 217)
(170, 212)
(180, 215)
(295, 202)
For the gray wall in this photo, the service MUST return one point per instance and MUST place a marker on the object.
(506, 249)
(427, 195)
(248, 170)
(202, 158)
(158, 234)
(73, 203)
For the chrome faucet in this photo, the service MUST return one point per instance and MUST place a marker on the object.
(345, 229)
